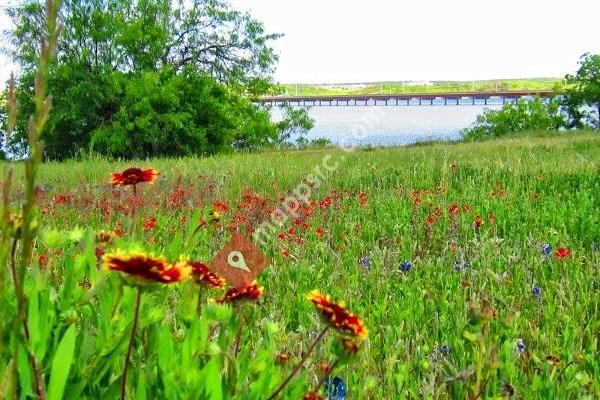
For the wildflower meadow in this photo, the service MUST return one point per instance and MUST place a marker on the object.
(464, 270)
(467, 271)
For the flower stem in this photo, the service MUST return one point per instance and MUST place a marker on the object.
(138, 300)
(238, 337)
(300, 364)
(199, 305)
(39, 388)
(133, 207)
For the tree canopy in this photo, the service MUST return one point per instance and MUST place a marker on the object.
(147, 77)
(141, 35)
(583, 90)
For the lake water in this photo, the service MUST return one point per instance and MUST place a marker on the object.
(390, 125)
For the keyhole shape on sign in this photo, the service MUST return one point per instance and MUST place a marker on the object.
(236, 260)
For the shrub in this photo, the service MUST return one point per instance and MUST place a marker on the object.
(515, 117)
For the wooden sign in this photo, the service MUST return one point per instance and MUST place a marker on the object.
(239, 262)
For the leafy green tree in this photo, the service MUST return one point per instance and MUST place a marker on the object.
(296, 121)
(138, 35)
(147, 77)
(583, 91)
(515, 117)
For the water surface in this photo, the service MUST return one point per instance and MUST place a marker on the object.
(390, 125)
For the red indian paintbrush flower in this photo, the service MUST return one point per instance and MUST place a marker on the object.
(245, 292)
(478, 221)
(133, 176)
(454, 209)
(202, 275)
(149, 223)
(337, 315)
(562, 253)
(147, 267)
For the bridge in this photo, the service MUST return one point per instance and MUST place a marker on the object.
(408, 99)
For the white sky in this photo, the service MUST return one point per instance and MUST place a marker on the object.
(372, 40)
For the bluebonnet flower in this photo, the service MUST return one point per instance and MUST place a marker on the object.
(459, 266)
(520, 346)
(537, 291)
(594, 247)
(365, 262)
(405, 266)
(546, 249)
(335, 389)
(445, 350)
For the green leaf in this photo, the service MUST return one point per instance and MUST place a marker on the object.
(76, 234)
(140, 391)
(61, 364)
(471, 337)
(53, 239)
(33, 318)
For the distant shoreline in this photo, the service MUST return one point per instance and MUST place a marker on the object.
(396, 87)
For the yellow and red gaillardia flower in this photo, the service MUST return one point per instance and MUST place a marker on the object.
(337, 315)
(202, 275)
(133, 176)
(249, 291)
(349, 346)
(103, 237)
(146, 267)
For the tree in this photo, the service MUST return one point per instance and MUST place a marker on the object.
(295, 121)
(143, 35)
(583, 91)
(147, 78)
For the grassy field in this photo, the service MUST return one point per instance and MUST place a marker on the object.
(434, 86)
(449, 253)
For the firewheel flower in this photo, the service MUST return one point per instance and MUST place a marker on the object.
(245, 292)
(133, 176)
(349, 346)
(147, 268)
(337, 315)
(202, 275)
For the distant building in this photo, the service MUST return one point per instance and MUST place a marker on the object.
(418, 83)
(343, 86)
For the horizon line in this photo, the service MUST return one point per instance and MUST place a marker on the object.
(423, 80)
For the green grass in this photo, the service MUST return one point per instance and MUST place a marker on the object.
(540, 188)
(435, 86)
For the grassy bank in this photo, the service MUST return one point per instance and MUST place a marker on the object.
(480, 312)
(421, 87)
